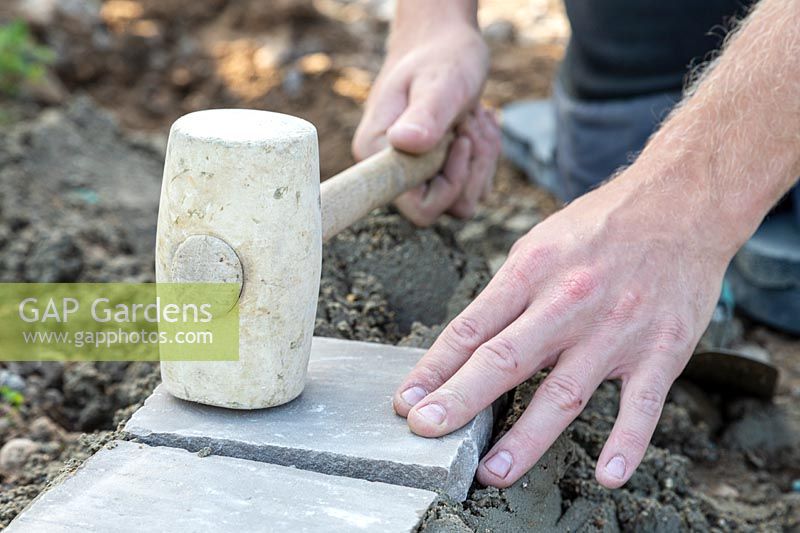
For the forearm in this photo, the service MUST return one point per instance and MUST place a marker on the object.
(733, 145)
(416, 18)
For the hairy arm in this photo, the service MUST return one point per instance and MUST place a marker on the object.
(734, 142)
(427, 17)
(621, 283)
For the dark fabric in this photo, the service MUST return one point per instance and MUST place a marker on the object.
(627, 48)
(595, 138)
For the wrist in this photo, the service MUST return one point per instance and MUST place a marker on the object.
(671, 200)
(681, 177)
(418, 21)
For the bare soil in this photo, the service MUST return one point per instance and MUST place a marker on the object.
(80, 169)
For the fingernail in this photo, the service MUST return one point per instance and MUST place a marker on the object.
(616, 467)
(413, 395)
(499, 464)
(433, 413)
(408, 128)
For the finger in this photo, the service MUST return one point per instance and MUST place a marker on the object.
(497, 365)
(435, 100)
(488, 188)
(533, 340)
(423, 205)
(499, 304)
(387, 101)
(465, 205)
(557, 402)
(489, 134)
(491, 129)
(482, 166)
(640, 408)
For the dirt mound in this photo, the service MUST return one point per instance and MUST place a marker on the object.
(78, 199)
(560, 493)
(153, 61)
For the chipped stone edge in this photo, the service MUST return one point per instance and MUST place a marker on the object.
(468, 456)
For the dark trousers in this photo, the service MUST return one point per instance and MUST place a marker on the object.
(594, 139)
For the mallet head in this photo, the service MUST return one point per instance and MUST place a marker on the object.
(240, 202)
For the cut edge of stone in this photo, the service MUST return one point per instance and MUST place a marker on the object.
(468, 456)
(454, 482)
(422, 477)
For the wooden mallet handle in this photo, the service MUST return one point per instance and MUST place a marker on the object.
(374, 182)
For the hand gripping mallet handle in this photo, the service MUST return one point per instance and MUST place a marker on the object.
(352, 194)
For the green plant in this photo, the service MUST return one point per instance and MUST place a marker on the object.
(11, 397)
(21, 59)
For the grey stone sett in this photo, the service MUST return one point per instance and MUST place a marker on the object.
(134, 487)
(342, 424)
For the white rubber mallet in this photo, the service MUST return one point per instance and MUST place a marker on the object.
(241, 202)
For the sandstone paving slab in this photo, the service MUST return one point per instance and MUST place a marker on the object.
(342, 424)
(135, 487)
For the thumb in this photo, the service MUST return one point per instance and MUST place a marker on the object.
(386, 102)
(434, 104)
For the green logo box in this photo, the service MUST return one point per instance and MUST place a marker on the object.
(119, 321)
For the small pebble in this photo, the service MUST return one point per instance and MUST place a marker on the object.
(522, 222)
(43, 429)
(723, 490)
(14, 454)
(12, 381)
